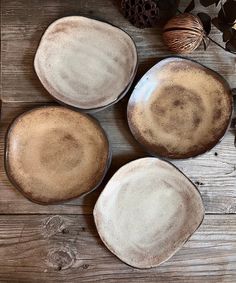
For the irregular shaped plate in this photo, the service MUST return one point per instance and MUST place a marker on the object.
(86, 63)
(180, 109)
(147, 211)
(54, 154)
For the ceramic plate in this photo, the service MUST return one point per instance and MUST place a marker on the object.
(179, 109)
(147, 211)
(86, 63)
(54, 154)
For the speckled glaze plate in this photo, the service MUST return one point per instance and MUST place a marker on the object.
(85, 63)
(147, 211)
(55, 154)
(180, 109)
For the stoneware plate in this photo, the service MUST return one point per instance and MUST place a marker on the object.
(179, 109)
(54, 154)
(86, 63)
(147, 211)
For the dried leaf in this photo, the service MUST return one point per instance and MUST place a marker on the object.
(216, 23)
(190, 7)
(231, 44)
(227, 34)
(219, 24)
(168, 9)
(231, 47)
(206, 22)
(207, 3)
(167, 5)
(227, 13)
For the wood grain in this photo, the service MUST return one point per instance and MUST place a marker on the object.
(67, 249)
(214, 172)
(59, 243)
(23, 23)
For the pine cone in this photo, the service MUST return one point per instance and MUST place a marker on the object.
(141, 13)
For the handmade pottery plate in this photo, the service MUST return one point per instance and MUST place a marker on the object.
(179, 109)
(86, 63)
(54, 154)
(147, 211)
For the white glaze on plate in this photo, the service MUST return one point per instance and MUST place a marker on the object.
(85, 63)
(147, 211)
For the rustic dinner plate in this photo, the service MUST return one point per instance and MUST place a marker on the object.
(54, 154)
(86, 63)
(147, 211)
(179, 109)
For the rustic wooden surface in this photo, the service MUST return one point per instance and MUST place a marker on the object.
(59, 243)
(23, 23)
(66, 248)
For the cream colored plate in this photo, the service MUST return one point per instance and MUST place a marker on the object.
(86, 63)
(54, 154)
(147, 211)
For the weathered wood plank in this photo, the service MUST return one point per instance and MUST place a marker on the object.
(23, 23)
(67, 249)
(213, 172)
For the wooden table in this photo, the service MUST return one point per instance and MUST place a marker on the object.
(59, 243)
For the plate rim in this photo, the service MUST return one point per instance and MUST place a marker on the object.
(6, 155)
(126, 88)
(206, 149)
(181, 245)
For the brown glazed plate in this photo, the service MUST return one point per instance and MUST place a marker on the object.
(85, 63)
(147, 211)
(54, 154)
(180, 109)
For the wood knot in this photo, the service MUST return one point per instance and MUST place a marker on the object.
(85, 266)
(61, 258)
(53, 225)
(65, 231)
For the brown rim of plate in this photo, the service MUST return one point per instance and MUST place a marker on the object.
(112, 250)
(151, 149)
(120, 96)
(6, 151)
